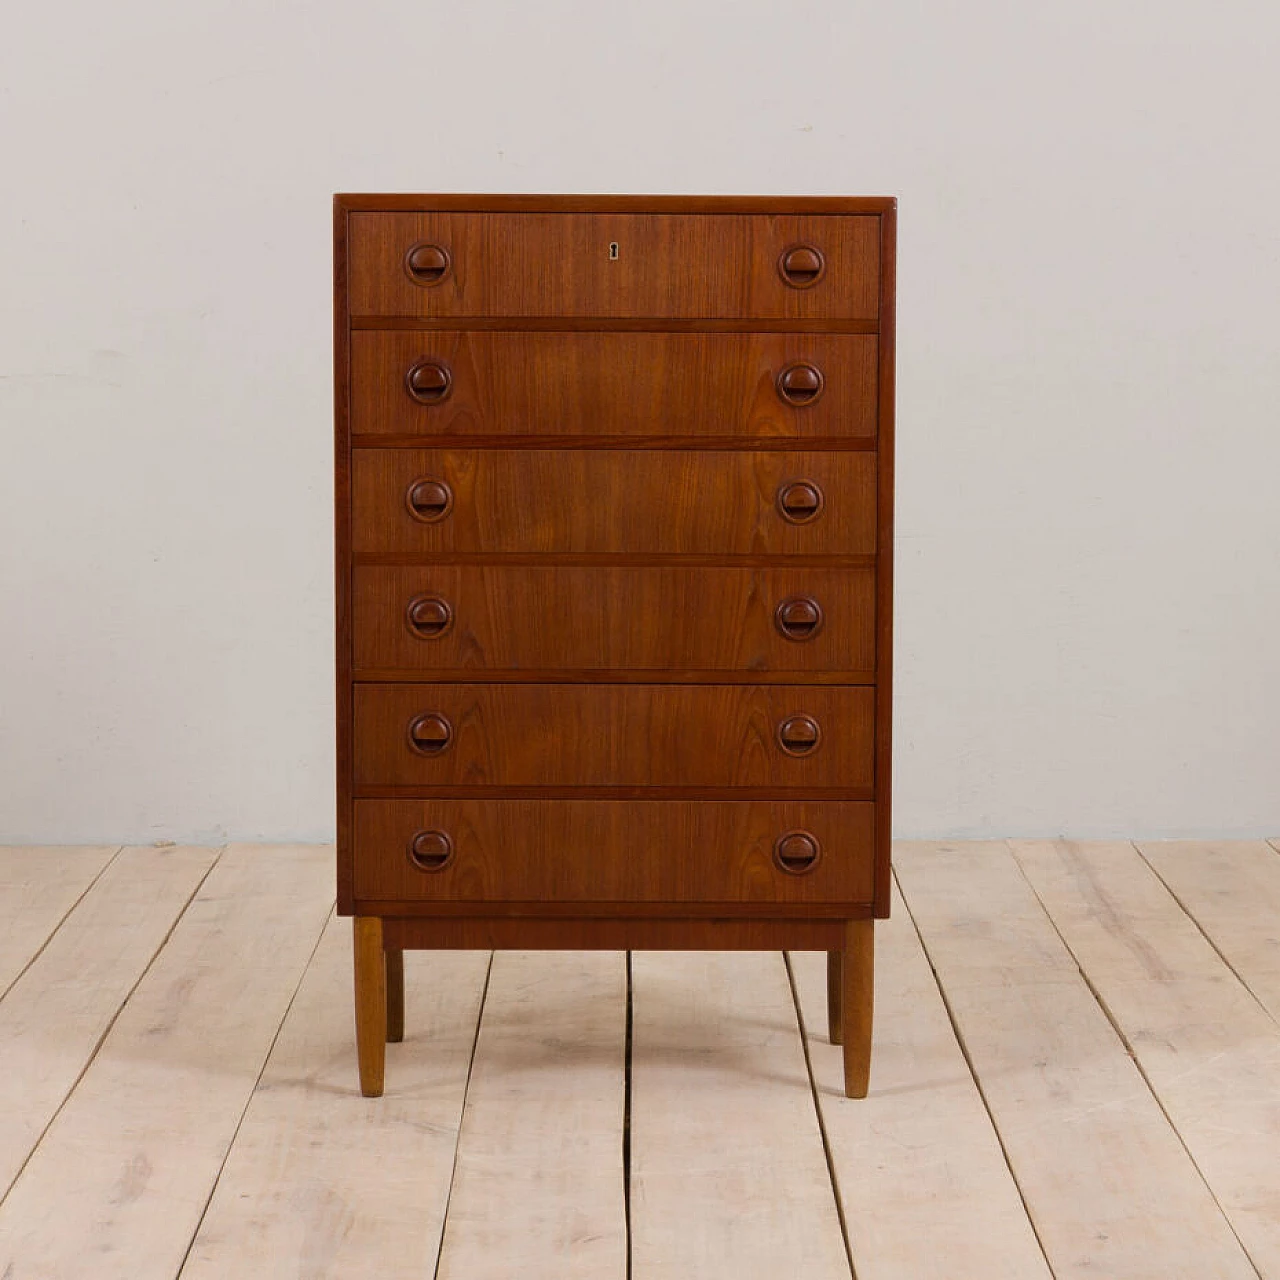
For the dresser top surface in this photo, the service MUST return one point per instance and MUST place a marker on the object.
(514, 203)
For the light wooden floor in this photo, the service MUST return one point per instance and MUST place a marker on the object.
(1076, 1074)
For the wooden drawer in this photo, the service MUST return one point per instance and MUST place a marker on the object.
(613, 500)
(478, 382)
(562, 264)
(562, 851)
(594, 619)
(614, 735)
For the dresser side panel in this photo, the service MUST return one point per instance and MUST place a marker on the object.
(884, 565)
(342, 563)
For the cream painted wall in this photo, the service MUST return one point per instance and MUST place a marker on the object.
(1089, 387)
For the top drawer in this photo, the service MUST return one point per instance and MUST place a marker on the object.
(678, 266)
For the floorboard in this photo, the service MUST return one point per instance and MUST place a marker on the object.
(38, 886)
(1108, 1183)
(54, 1017)
(321, 1182)
(1210, 1052)
(183, 1096)
(925, 1187)
(1231, 888)
(728, 1176)
(539, 1189)
(118, 1184)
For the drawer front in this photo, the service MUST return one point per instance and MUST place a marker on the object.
(666, 265)
(702, 851)
(613, 500)
(447, 382)
(588, 619)
(562, 735)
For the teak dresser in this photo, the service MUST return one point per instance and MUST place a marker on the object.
(614, 507)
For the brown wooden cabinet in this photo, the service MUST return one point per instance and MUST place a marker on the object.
(614, 511)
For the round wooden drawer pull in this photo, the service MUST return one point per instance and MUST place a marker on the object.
(429, 500)
(431, 850)
(796, 852)
(802, 266)
(429, 382)
(798, 617)
(429, 616)
(430, 734)
(799, 735)
(799, 501)
(427, 263)
(800, 384)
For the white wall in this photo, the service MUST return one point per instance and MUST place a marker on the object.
(1089, 581)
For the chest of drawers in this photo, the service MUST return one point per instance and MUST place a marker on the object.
(614, 506)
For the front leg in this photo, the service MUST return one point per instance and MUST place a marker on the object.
(371, 1003)
(857, 991)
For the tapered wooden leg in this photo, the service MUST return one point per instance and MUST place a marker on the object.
(834, 980)
(395, 996)
(856, 1000)
(371, 1003)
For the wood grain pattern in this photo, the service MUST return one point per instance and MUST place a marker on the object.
(924, 1186)
(55, 1015)
(515, 911)
(1112, 910)
(885, 482)
(1232, 890)
(645, 619)
(857, 1000)
(727, 1174)
(572, 418)
(322, 1183)
(615, 850)
(668, 264)
(1108, 1185)
(1209, 1051)
(616, 675)
(702, 385)
(971, 898)
(36, 892)
(614, 932)
(491, 202)
(613, 501)
(342, 533)
(370, 974)
(118, 1184)
(614, 735)
(604, 324)
(539, 1190)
